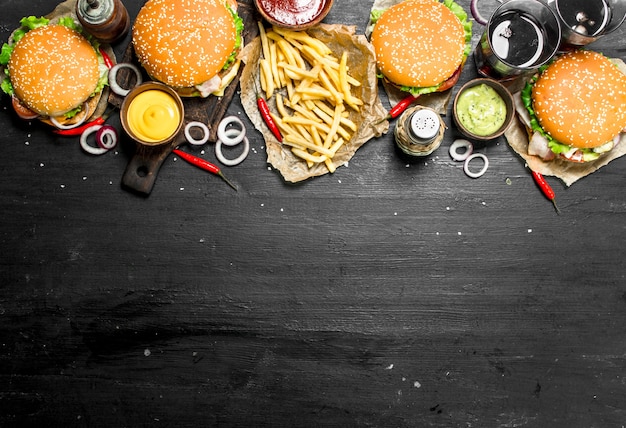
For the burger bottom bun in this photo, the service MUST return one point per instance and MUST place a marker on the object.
(93, 107)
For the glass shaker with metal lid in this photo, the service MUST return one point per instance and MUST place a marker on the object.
(419, 131)
(107, 20)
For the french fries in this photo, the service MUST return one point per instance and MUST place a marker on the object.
(313, 90)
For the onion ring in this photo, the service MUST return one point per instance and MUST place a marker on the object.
(237, 160)
(115, 87)
(106, 137)
(85, 145)
(469, 159)
(224, 137)
(476, 13)
(189, 137)
(59, 125)
(461, 144)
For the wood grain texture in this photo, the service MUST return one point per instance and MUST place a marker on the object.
(394, 293)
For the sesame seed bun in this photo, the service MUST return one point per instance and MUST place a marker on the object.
(53, 70)
(580, 99)
(418, 43)
(184, 43)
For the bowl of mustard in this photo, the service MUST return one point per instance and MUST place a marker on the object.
(152, 114)
(483, 109)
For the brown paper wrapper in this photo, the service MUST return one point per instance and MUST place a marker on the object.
(362, 67)
(568, 172)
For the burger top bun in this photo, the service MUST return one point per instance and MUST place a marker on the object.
(580, 99)
(183, 43)
(418, 43)
(53, 70)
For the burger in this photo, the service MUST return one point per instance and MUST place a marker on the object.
(53, 71)
(191, 46)
(421, 45)
(576, 107)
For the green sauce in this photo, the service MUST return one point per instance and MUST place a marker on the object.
(481, 110)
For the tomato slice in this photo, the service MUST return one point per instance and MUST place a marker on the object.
(451, 81)
(22, 111)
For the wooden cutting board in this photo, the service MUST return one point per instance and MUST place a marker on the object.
(142, 169)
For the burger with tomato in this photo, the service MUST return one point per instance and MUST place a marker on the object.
(191, 46)
(576, 107)
(53, 71)
(421, 45)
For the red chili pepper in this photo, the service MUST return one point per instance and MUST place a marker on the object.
(72, 132)
(266, 115)
(107, 59)
(545, 188)
(204, 164)
(397, 110)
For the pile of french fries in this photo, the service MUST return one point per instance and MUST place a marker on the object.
(313, 91)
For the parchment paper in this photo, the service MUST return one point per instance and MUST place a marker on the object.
(362, 67)
(568, 172)
(438, 101)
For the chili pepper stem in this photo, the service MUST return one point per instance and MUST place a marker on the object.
(399, 108)
(388, 117)
(227, 180)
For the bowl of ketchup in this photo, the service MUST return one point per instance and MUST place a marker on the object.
(294, 14)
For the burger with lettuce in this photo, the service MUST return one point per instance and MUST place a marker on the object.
(575, 107)
(191, 46)
(421, 45)
(53, 71)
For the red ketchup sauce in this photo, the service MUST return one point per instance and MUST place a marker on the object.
(292, 12)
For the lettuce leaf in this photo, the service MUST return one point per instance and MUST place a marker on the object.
(239, 29)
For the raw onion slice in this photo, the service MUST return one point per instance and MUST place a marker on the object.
(463, 154)
(115, 87)
(229, 138)
(106, 137)
(481, 171)
(476, 13)
(85, 144)
(59, 125)
(232, 162)
(205, 133)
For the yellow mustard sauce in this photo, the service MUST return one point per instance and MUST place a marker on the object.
(153, 116)
(481, 110)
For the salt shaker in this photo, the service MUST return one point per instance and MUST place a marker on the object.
(419, 131)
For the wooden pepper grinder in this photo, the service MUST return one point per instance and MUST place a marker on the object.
(107, 20)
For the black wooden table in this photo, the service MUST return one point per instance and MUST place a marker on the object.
(395, 292)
